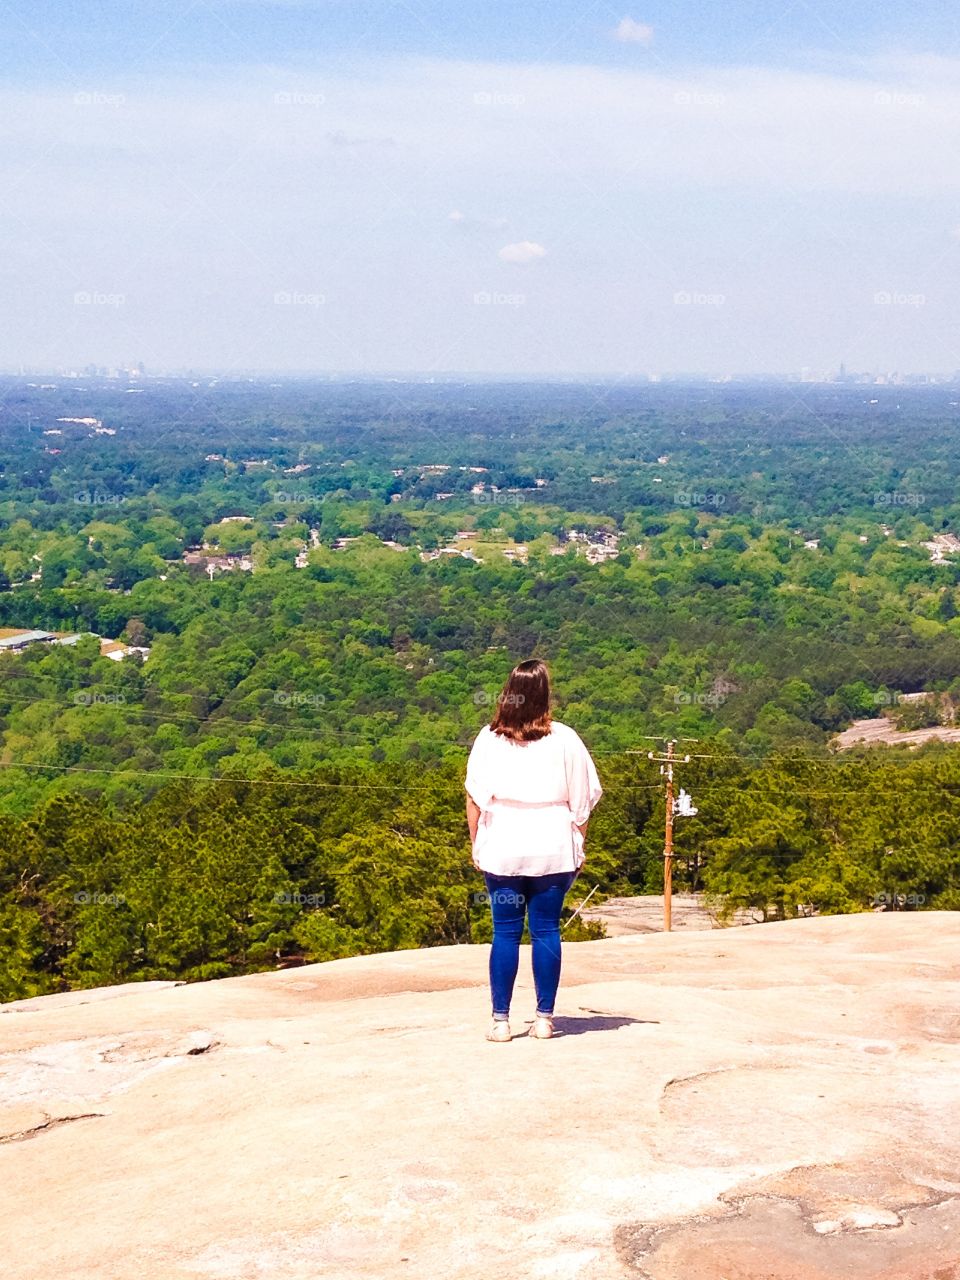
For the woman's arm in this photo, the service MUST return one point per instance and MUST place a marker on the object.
(477, 783)
(583, 785)
(473, 817)
(473, 820)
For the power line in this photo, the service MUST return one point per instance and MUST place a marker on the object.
(198, 720)
(191, 777)
(227, 778)
(398, 786)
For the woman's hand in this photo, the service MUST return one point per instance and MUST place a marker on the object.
(582, 828)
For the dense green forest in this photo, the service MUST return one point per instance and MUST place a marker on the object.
(323, 587)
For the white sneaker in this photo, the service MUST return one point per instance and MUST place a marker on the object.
(500, 1031)
(542, 1028)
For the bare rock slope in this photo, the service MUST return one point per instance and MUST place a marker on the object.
(777, 1102)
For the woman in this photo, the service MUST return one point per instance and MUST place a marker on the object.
(531, 785)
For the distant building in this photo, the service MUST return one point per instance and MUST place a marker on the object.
(597, 546)
(942, 544)
(467, 554)
(212, 562)
(116, 651)
(21, 639)
(113, 649)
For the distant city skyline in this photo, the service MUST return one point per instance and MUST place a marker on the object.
(315, 186)
(839, 376)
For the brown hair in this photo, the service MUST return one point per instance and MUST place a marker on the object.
(523, 706)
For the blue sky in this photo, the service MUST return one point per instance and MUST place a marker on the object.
(502, 188)
(43, 37)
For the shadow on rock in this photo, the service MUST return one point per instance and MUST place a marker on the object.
(597, 1022)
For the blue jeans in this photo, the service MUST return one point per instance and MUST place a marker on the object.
(541, 897)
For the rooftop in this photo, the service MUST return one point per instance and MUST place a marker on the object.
(18, 639)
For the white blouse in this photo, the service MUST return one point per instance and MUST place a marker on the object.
(531, 796)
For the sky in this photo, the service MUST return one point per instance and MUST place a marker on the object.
(494, 188)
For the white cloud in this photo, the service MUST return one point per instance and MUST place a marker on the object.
(523, 251)
(629, 31)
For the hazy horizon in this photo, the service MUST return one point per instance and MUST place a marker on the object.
(909, 378)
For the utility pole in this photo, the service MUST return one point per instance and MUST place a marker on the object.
(666, 769)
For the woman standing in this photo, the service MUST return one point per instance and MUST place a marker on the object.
(531, 786)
